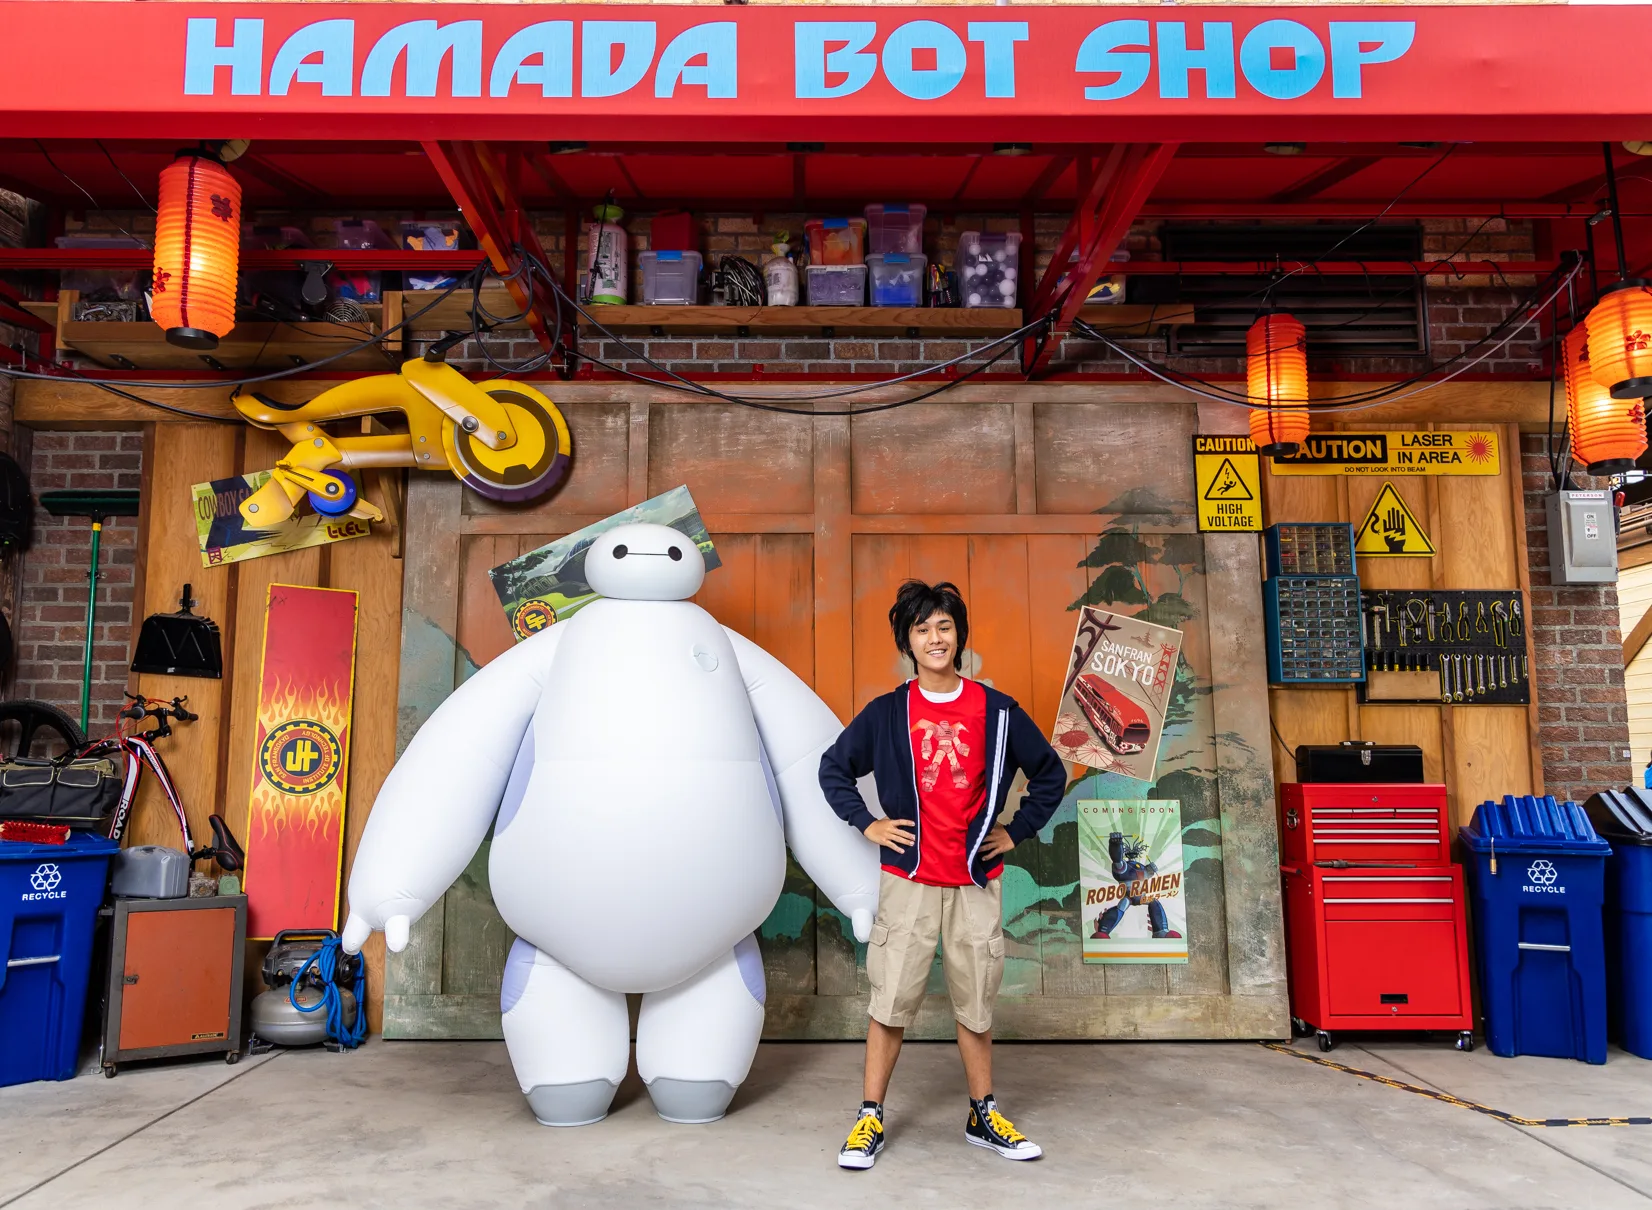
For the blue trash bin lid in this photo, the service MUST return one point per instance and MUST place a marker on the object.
(1526, 824)
(79, 844)
(1622, 816)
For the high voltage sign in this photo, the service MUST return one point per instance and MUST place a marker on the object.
(1227, 475)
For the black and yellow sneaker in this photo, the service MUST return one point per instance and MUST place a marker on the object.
(861, 1149)
(989, 1128)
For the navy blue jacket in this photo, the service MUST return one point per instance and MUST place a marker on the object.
(879, 741)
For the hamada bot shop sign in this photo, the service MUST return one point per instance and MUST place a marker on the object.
(1449, 452)
(1227, 476)
(1119, 681)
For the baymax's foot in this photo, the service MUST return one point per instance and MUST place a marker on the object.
(989, 1128)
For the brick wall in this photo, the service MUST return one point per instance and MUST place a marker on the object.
(1583, 714)
(50, 626)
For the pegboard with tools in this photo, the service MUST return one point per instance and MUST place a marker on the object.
(1473, 640)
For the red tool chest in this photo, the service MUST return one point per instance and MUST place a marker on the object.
(1375, 920)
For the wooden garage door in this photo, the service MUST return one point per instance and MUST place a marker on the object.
(1029, 506)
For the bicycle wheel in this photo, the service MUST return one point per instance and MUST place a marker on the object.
(29, 728)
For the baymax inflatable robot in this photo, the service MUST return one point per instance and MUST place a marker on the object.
(643, 769)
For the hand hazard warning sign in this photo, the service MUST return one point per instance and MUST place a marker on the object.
(1227, 474)
(1391, 529)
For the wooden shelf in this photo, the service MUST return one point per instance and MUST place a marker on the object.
(808, 321)
(143, 345)
(452, 314)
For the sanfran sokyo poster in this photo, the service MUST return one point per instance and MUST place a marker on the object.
(1119, 680)
(1130, 872)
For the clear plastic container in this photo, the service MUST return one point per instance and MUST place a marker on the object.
(670, 278)
(897, 279)
(837, 285)
(988, 267)
(836, 241)
(895, 228)
(780, 276)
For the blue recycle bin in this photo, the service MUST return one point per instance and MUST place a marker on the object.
(49, 899)
(1625, 821)
(1537, 880)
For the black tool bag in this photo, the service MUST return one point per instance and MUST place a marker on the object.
(82, 793)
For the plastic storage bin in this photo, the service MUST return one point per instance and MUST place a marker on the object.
(897, 279)
(988, 268)
(670, 278)
(1624, 820)
(836, 241)
(1537, 880)
(49, 898)
(837, 285)
(895, 228)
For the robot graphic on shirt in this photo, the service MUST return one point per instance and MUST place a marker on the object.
(1129, 865)
(943, 743)
(621, 869)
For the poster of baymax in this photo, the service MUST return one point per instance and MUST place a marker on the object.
(1119, 681)
(1133, 907)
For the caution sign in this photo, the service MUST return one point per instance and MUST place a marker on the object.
(1447, 452)
(1390, 529)
(1228, 476)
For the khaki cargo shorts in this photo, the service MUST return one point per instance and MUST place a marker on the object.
(968, 922)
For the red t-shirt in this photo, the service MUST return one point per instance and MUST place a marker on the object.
(949, 757)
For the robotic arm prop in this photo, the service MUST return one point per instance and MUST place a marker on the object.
(796, 727)
(436, 806)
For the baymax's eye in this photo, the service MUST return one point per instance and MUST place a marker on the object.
(621, 551)
(676, 555)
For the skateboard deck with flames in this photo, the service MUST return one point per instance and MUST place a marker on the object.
(301, 752)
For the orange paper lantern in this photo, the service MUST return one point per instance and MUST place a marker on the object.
(1276, 351)
(1608, 434)
(197, 251)
(1620, 340)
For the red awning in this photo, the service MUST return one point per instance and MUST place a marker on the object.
(777, 74)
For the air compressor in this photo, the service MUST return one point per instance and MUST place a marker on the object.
(315, 993)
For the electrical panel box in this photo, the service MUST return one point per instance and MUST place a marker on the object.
(1583, 538)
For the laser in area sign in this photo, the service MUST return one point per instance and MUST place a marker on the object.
(1227, 476)
(1443, 452)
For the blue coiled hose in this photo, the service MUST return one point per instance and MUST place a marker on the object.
(326, 960)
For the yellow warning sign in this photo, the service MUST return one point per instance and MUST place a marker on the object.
(1390, 529)
(1228, 476)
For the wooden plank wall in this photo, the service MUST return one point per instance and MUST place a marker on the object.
(1477, 527)
(212, 760)
(817, 519)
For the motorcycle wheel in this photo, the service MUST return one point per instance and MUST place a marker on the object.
(536, 463)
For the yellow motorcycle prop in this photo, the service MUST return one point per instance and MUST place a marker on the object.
(504, 440)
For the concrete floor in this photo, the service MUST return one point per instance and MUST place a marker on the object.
(1186, 1125)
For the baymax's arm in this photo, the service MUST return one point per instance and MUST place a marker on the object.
(436, 806)
(796, 727)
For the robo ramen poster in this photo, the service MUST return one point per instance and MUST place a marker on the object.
(1130, 872)
(1119, 681)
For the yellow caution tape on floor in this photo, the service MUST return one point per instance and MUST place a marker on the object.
(1435, 1095)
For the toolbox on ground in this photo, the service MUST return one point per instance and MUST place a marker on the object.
(1375, 911)
(1537, 876)
(175, 972)
(49, 898)
(1623, 818)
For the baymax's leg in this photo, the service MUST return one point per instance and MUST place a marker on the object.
(569, 1042)
(695, 1041)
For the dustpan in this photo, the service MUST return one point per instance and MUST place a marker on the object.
(180, 644)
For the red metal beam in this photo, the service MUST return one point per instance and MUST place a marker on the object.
(1345, 268)
(1316, 183)
(1108, 205)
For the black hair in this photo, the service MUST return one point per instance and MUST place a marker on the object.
(916, 602)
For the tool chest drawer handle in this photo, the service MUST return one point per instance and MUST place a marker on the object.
(1387, 878)
(1550, 949)
(1390, 901)
(41, 961)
